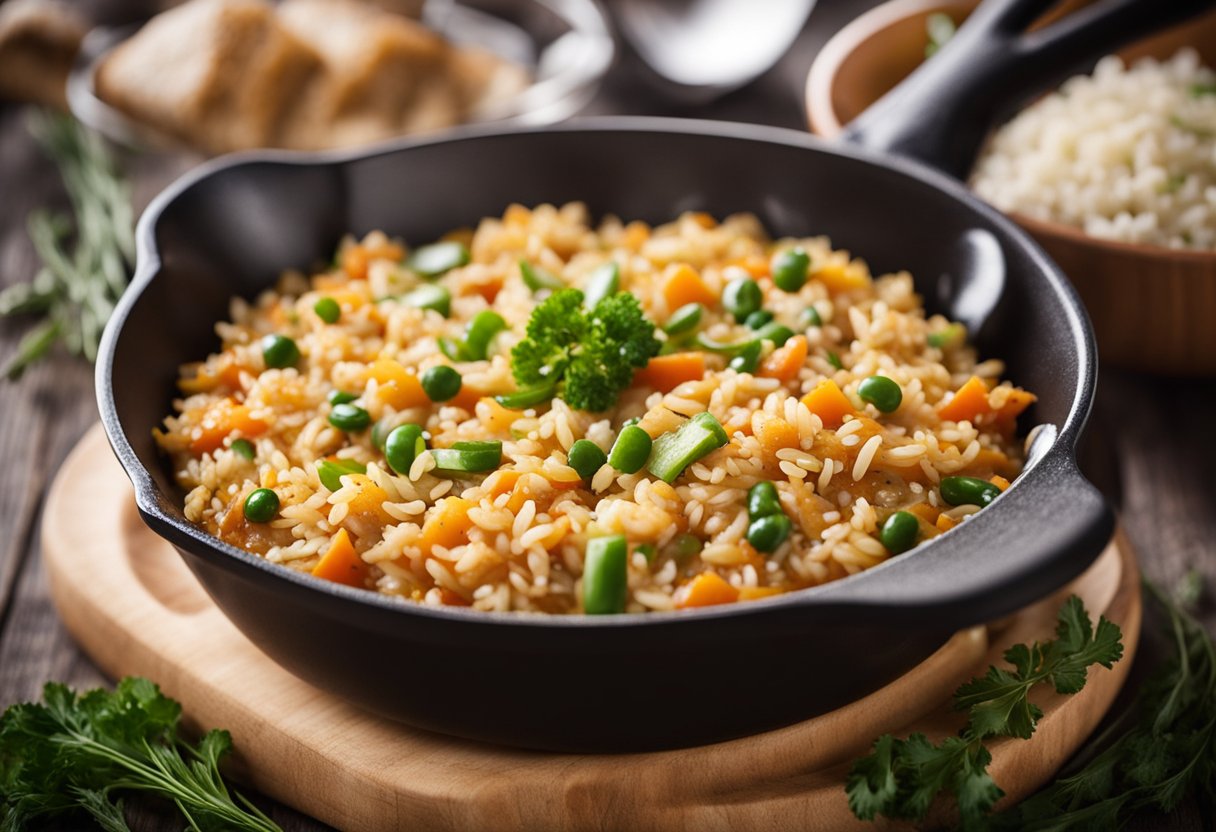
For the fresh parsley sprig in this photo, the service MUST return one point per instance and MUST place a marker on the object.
(901, 778)
(78, 753)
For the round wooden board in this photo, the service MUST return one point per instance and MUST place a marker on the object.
(135, 608)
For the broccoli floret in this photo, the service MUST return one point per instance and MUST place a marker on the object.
(590, 355)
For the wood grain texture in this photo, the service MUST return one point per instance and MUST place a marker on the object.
(133, 605)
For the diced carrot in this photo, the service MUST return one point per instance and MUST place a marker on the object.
(755, 593)
(841, 277)
(397, 386)
(464, 236)
(999, 481)
(488, 290)
(666, 372)
(829, 403)
(969, 401)
(925, 512)
(945, 522)
(703, 219)
(452, 599)
(1017, 401)
(341, 563)
(776, 434)
(447, 524)
(516, 214)
(636, 235)
(368, 502)
(706, 590)
(501, 481)
(494, 417)
(682, 285)
(228, 375)
(224, 418)
(754, 265)
(467, 398)
(354, 262)
(786, 361)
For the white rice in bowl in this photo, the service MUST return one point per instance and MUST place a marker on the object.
(1126, 154)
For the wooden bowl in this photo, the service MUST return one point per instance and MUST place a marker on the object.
(1153, 308)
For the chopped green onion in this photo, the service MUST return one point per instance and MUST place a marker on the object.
(328, 310)
(480, 331)
(430, 296)
(331, 471)
(243, 448)
(468, 457)
(402, 447)
(536, 278)
(684, 319)
(437, 258)
(586, 458)
(529, 397)
(1201, 89)
(676, 450)
(605, 575)
(630, 450)
(604, 281)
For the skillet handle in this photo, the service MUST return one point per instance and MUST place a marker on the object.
(981, 571)
(941, 113)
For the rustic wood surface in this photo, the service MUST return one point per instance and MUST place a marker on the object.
(1153, 447)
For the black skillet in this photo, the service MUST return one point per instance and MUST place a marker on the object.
(627, 682)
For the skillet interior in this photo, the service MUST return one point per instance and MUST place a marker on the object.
(628, 682)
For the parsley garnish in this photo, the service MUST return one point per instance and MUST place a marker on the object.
(590, 355)
(75, 754)
(901, 778)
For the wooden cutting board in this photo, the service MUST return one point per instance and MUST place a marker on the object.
(134, 607)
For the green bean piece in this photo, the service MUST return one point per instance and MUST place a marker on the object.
(748, 358)
(468, 457)
(810, 317)
(402, 447)
(480, 332)
(604, 281)
(349, 417)
(762, 500)
(882, 392)
(340, 397)
(684, 319)
(899, 532)
(441, 383)
(742, 297)
(331, 471)
(279, 352)
(767, 533)
(790, 269)
(528, 397)
(261, 505)
(676, 450)
(605, 575)
(758, 319)
(630, 450)
(586, 458)
(437, 258)
(243, 448)
(328, 310)
(968, 491)
(536, 278)
(430, 296)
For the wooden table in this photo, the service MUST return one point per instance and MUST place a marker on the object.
(1151, 450)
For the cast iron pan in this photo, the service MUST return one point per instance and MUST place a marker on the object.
(626, 682)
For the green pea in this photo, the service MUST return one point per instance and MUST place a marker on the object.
(685, 546)
(402, 447)
(586, 457)
(340, 397)
(630, 450)
(790, 269)
(758, 319)
(899, 532)
(684, 319)
(437, 258)
(742, 297)
(480, 331)
(810, 317)
(968, 491)
(767, 533)
(441, 383)
(604, 281)
(882, 392)
(605, 575)
(349, 417)
(762, 500)
(328, 310)
(243, 448)
(279, 351)
(747, 359)
(430, 296)
(261, 505)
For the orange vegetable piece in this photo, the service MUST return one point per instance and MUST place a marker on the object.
(969, 401)
(369, 501)
(224, 418)
(666, 372)
(1017, 401)
(498, 419)
(786, 361)
(341, 563)
(636, 235)
(840, 277)
(999, 481)
(775, 435)
(447, 524)
(945, 522)
(755, 593)
(398, 387)
(754, 265)
(682, 285)
(354, 262)
(706, 590)
(703, 219)
(829, 403)
(925, 512)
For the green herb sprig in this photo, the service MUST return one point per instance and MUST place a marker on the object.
(86, 259)
(902, 778)
(77, 753)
